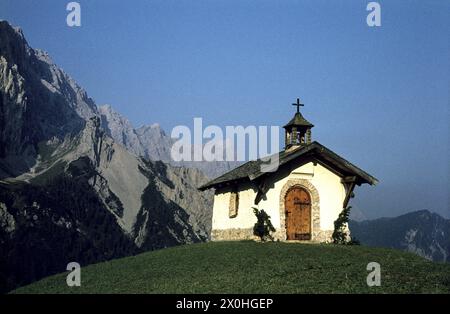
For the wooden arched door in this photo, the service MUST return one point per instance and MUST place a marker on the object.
(297, 204)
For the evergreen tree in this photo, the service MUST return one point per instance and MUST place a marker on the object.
(340, 233)
(263, 225)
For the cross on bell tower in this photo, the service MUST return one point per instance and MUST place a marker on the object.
(298, 130)
(298, 104)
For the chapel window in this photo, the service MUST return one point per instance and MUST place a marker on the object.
(234, 204)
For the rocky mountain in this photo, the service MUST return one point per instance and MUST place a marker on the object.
(422, 232)
(68, 190)
(39, 102)
(121, 130)
(151, 142)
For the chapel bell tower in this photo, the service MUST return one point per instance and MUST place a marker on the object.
(298, 130)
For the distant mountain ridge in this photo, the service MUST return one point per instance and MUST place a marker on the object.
(151, 142)
(422, 232)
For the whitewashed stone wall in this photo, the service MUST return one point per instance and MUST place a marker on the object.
(327, 196)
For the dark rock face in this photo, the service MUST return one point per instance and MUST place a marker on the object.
(51, 225)
(38, 102)
(424, 233)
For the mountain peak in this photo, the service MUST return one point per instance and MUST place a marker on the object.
(422, 232)
(4, 24)
(113, 119)
(43, 56)
(423, 213)
(107, 108)
(152, 128)
(13, 45)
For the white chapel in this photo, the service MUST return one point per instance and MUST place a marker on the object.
(303, 197)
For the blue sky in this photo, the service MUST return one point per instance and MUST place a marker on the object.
(377, 96)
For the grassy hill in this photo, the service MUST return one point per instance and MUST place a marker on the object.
(251, 267)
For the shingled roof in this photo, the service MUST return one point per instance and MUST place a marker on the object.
(252, 169)
(298, 120)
